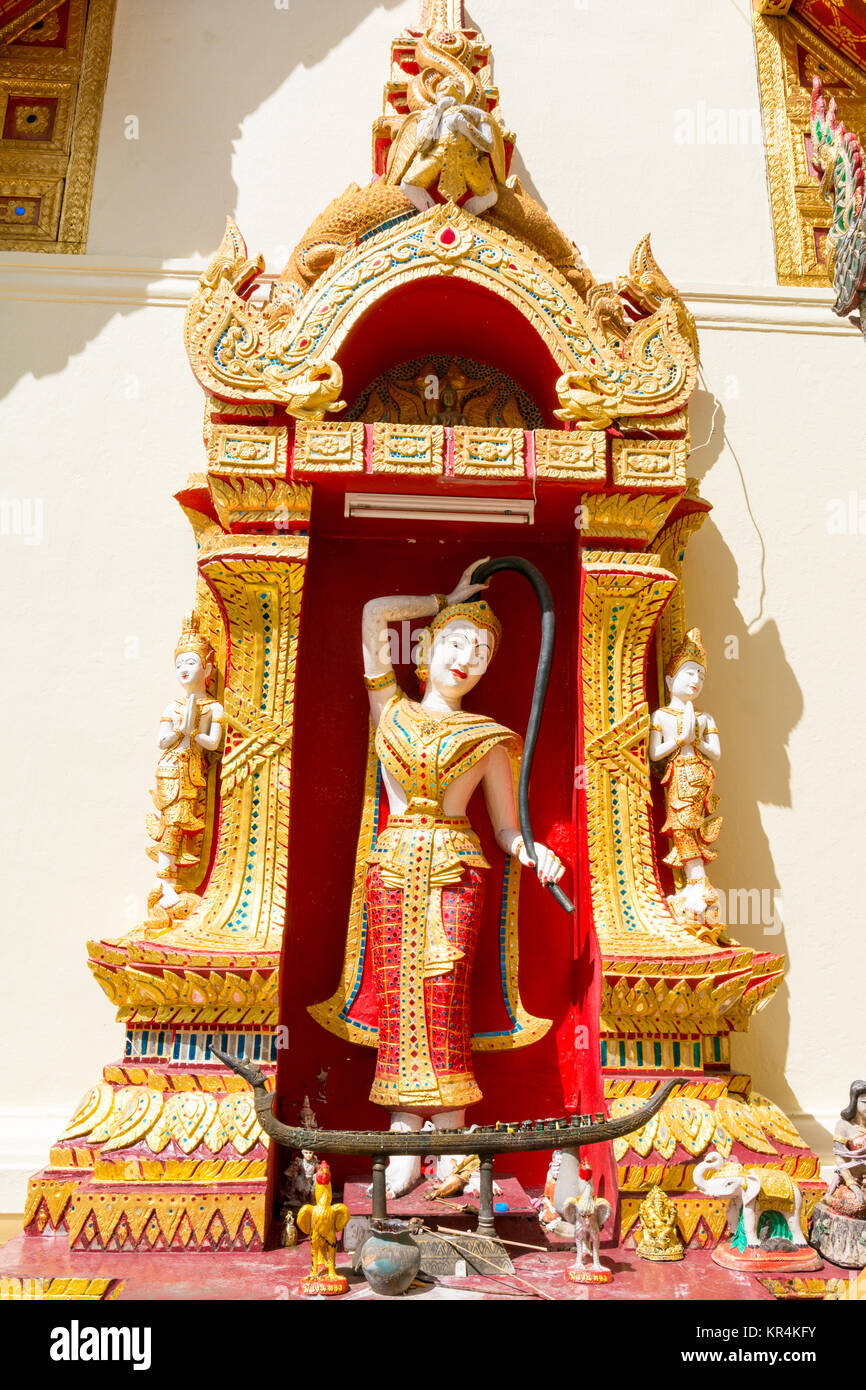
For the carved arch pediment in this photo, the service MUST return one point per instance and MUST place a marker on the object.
(240, 351)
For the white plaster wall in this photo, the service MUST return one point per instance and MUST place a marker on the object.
(266, 113)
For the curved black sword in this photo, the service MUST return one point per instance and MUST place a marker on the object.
(373, 1142)
(480, 575)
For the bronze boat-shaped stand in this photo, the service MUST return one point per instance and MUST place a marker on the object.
(567, 1132)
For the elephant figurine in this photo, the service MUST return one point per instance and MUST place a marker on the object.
(758, 1198)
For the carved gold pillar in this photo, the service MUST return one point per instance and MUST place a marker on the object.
(665, 992)
(669, 1001)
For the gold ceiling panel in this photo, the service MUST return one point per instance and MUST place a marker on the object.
(52, 81)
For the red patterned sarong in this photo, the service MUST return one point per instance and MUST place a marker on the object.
(424, 1056)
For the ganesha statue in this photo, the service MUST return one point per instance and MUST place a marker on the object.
(687, 744)
(423, 875)
(658, 1228)
(190, 731)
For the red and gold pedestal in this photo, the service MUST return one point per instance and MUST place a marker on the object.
(161, 1155)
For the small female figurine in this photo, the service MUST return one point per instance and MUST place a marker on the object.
(189, 730)
(425, 876)
(689, 740)
(846, 1194)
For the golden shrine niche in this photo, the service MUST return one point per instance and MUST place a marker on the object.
(566, 396)
(797, 40)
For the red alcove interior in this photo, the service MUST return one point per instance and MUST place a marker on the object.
(545, 1078)
(352, 560)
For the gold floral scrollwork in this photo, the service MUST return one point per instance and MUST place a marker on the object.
(248, 449)
(649, 462)
(660, 369)
(235, 353)
(647, 287)
(489, 453)
(447, 238)
(574, 455)
(407, 448)
(330, 446)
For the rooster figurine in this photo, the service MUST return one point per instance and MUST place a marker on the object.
(589, 1215)
(321, 1222)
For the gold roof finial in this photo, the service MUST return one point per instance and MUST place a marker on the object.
(437, 15)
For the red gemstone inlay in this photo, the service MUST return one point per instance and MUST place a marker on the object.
(448, 237)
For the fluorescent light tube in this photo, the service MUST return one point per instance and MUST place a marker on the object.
(519, 511)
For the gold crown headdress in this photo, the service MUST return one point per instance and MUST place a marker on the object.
(691, 649)
(478, 612)
(192, 640)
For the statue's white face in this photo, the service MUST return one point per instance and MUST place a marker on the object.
(688, 682)
(461, 654)
(861, 1107)
(190, 672)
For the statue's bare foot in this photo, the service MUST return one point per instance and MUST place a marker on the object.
(168, 897)
(473, 1187)
(402, 1174)
(419, 196)
(481, 202)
